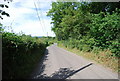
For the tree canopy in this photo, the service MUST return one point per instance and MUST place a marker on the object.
(98, 21)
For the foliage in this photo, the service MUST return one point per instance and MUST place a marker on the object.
(79, 25)
(105, 30)
(20, 54)
(2, 12)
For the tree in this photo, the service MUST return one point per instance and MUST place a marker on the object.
(97, 7)
(69, 19)
(2, 12)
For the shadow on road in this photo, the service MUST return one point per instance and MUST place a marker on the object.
(62, 73)
(40, 67)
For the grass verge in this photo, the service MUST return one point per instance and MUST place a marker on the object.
(103, 57)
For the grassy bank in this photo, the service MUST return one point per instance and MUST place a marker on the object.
(101, 57)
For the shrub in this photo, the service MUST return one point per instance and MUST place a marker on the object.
(115, 48)
(19, 55)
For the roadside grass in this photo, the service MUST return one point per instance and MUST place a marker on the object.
(102, 57)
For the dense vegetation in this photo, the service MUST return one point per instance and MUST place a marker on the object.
(87, 26)
(84, 26)
(90, 29)
(20, 54)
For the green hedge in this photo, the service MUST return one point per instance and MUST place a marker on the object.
(19, 55)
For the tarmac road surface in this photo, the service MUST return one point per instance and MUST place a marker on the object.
(61, 64)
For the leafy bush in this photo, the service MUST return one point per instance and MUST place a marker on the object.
(105, 30)
(115, 48)
(103, 34)
(20, 54)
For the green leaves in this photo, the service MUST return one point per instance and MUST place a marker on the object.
(106, 27)
(20, 51)
(3, 12)
(91, 24)
(68, 16)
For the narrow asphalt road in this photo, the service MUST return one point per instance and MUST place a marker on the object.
(61, 64)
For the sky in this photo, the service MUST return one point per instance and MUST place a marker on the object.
(24, 18)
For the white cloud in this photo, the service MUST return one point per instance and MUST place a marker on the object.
(36, 28)
(24, 18)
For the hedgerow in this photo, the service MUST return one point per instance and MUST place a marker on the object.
(20, 54)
